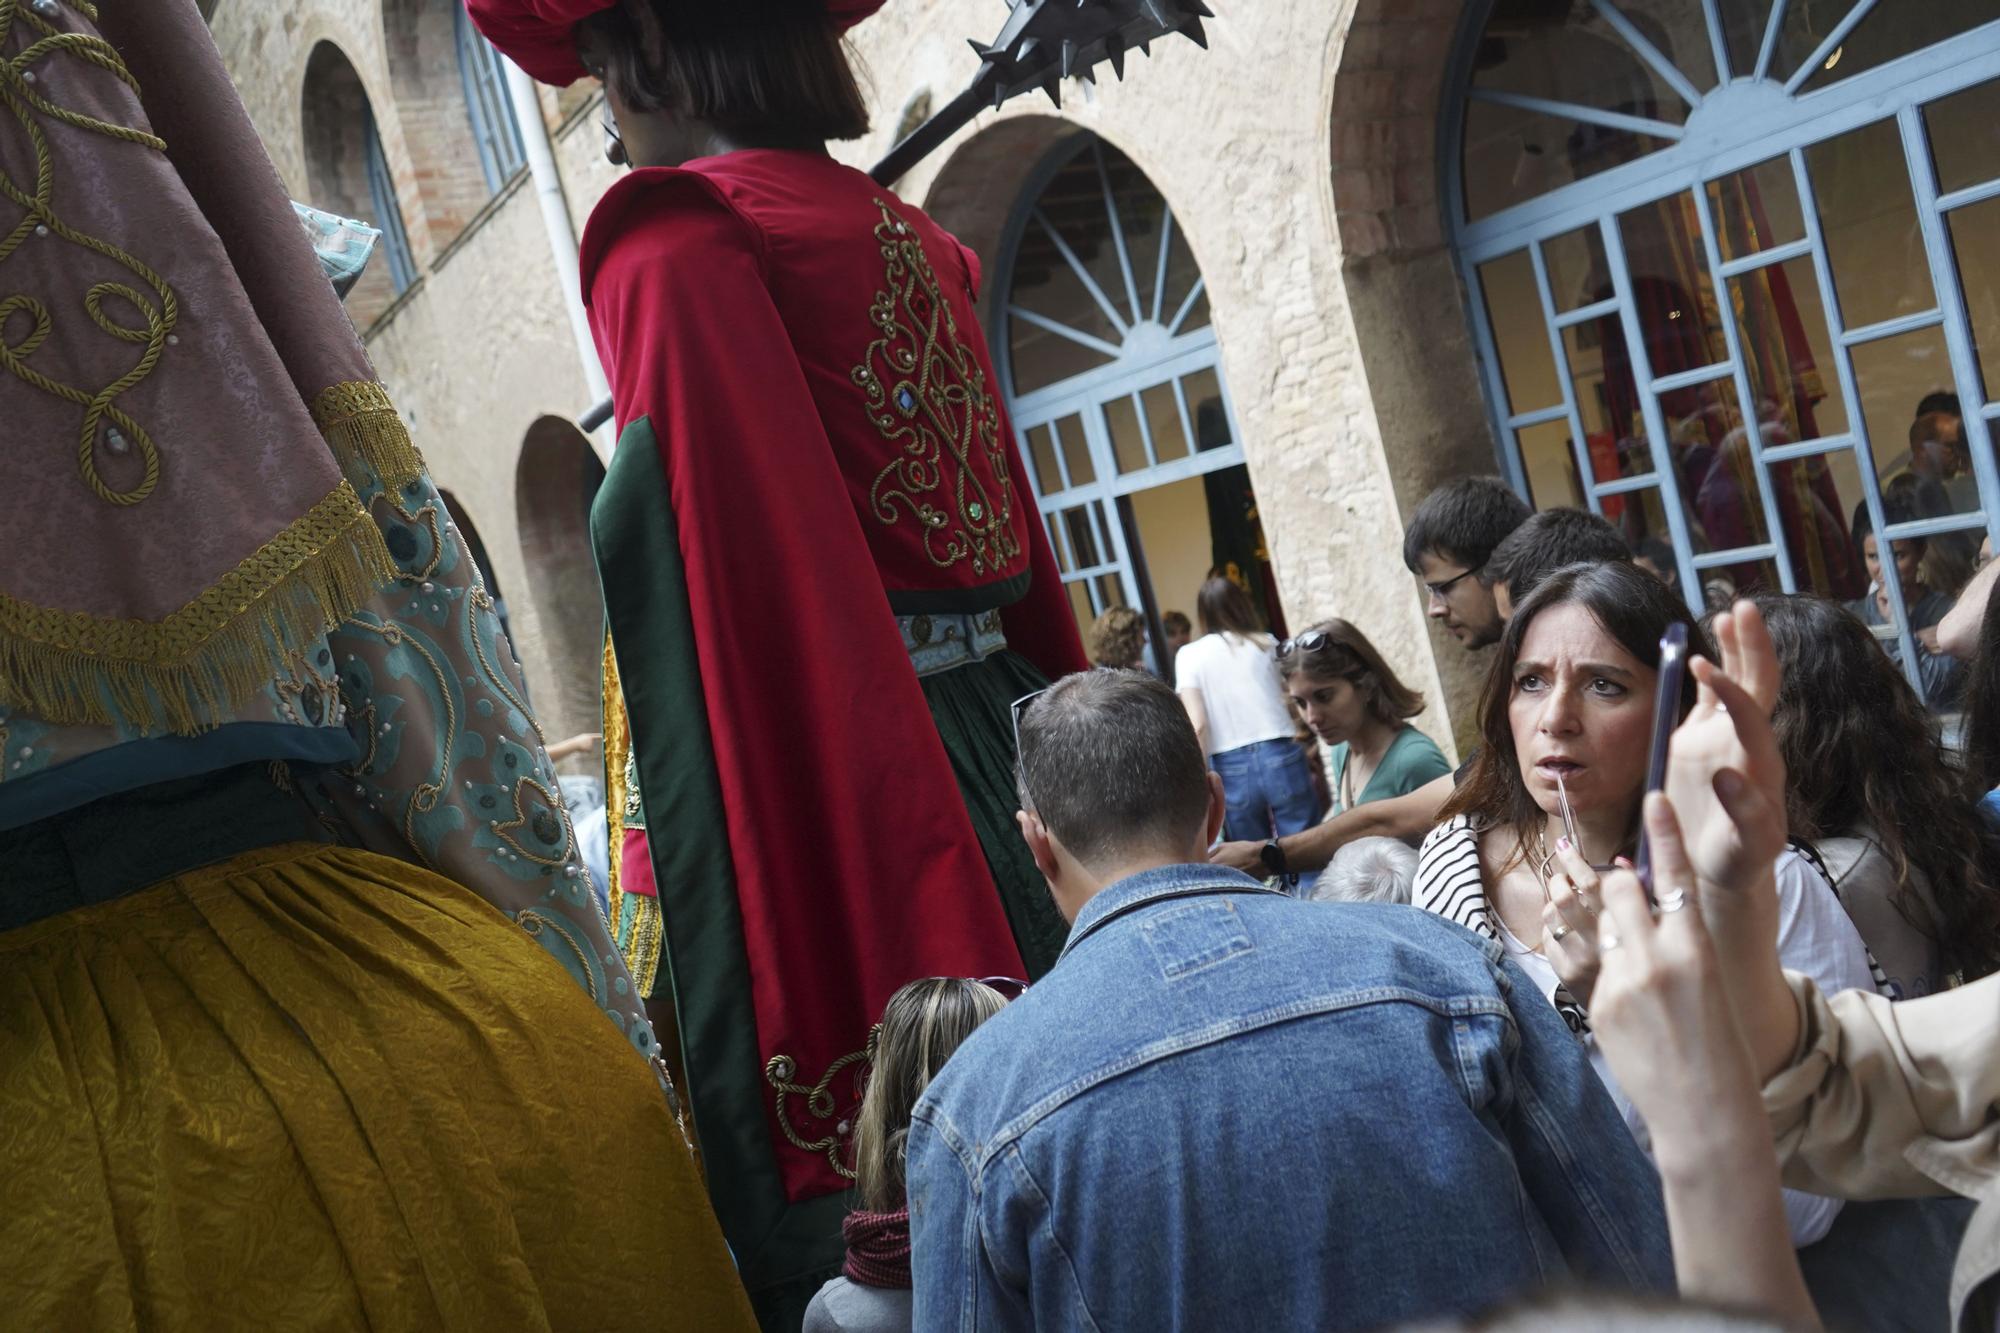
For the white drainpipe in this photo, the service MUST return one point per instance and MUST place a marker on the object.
(562, 235)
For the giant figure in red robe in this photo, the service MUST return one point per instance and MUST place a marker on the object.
(825, 582)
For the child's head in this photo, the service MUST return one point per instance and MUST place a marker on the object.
(923, 1024)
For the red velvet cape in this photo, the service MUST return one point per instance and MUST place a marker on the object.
(806, 350)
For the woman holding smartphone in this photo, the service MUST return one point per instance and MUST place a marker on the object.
(1568, 708)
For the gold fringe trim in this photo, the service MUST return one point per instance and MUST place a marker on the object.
(181, 674)
(359, 422)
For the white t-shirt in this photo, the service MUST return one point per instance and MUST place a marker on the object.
(1238, 681)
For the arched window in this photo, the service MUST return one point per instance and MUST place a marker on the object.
(388, 214)
(1734, 270)
(487, 104)
(348, 173)
(1115, 383)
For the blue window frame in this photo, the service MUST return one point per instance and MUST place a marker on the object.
(388, 213)
(487, 105)
(1103, 339)
(1717, 254)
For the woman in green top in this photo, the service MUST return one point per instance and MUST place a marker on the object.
(1358, 708)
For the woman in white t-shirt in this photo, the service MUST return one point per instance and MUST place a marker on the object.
(1228, 678)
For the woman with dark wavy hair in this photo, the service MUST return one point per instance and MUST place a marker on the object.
(1871, 789)
(1980, 743)
(1568, 708)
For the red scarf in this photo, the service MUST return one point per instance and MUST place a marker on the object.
(878, 1248)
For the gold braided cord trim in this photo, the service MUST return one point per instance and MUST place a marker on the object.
(617, 744)
(182, 673)
(359, 421)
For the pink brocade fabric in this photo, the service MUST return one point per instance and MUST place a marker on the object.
(231, 470)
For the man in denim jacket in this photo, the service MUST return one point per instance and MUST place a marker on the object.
(1226, 1108)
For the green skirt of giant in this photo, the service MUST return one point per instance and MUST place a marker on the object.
(972, 706)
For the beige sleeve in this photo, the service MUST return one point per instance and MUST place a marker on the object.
(1886, 1100)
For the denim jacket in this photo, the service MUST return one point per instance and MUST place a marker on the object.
(1229, 1108)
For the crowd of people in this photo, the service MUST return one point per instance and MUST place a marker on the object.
(1020, 992)
(1584, 1052)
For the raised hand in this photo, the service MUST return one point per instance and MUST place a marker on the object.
(1725, 775)
(1663, 1017)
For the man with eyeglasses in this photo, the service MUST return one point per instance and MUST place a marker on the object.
(1448, 544)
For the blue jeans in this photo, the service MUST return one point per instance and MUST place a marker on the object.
(1268, 790)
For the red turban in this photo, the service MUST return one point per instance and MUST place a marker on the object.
(538, 35)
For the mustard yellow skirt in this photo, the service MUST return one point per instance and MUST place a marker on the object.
(314, 1088)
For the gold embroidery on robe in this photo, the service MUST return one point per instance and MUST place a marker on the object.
(928, 396)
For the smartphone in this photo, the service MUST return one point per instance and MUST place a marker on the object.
(1666, 716)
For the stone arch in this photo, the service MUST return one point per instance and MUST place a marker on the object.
(335, 121)
(555, 481)
(421, 39)
(1389, 88)
(974, 193)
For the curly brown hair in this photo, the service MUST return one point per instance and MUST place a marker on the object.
(1118, 638)
(1862, 752)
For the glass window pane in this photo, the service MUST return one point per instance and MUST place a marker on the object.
(1075, 450)
(1181, 274)
(1550, 464)
(1203, 391)
(1128, 446)
(1891, 30)
(1869, 218)
(1601, 377)
(1073, 203)
(1920, 461)
(1046, 285)
(1964, 130)
(1142, 213)
(1519, 334)
(1743, 23)
(1671, 286)
(1570, 53)
(1975, 243)
(1787, 353)
(1578, 275)
(1717, 472)
(1048, 480)
(1513, 155)
(1063, 560)
(1817, 498)
(1110, 592)
(1079, 604)
(1163, 418)
(1085, 552)
(1756, 209)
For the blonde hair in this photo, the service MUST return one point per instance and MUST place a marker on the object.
(923, 1024)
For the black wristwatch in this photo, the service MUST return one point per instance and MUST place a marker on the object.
(1272, 854)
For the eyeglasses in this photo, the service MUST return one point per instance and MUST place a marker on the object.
(1005, 984)
(1310, 642)
(614, 146)
(1443, 590)
(1020, 709)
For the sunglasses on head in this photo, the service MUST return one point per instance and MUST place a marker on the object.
(1310, 642)
(1019, 710)
(1012, 988)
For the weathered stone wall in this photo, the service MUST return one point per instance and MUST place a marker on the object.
(1298, 154)
(1310, 308)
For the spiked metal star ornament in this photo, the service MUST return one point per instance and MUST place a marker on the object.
(1042, 43)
